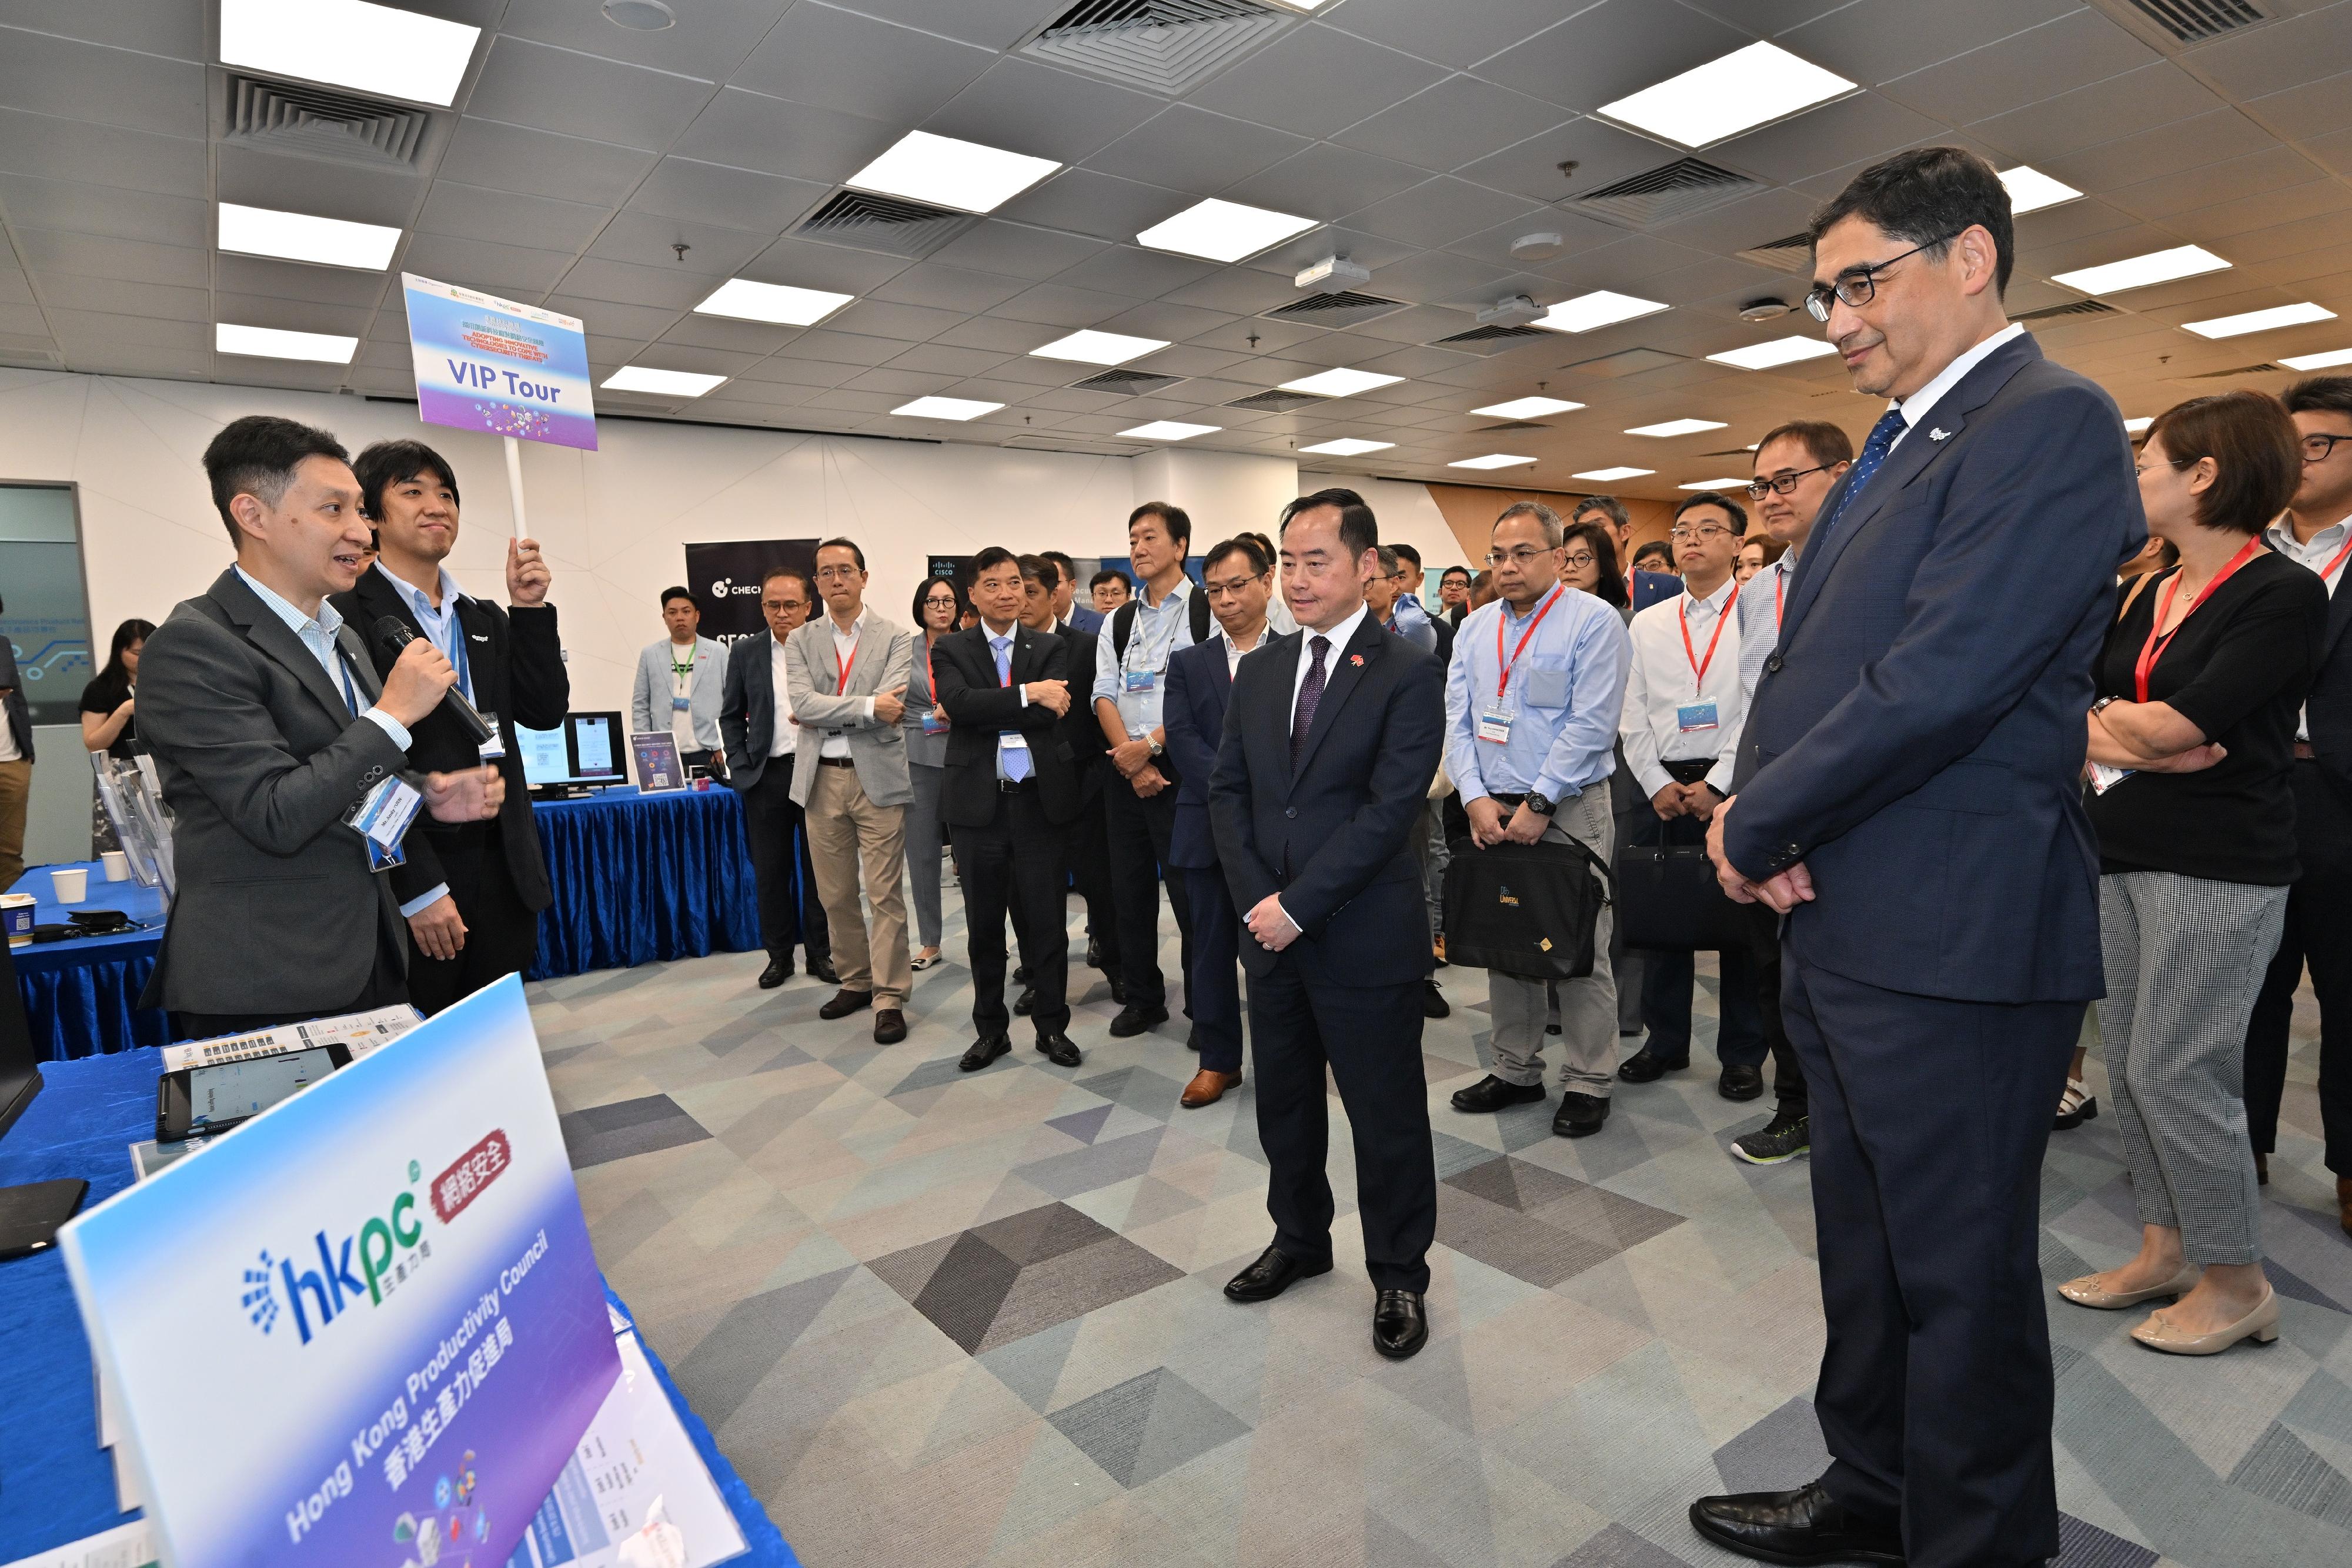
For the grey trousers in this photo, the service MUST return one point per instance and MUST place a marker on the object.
(1436, 855)
(1588, 1007)
(2184, 957)
(923, 849)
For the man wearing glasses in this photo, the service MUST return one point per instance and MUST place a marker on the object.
(1796, 465)
(760, 738)
(2316, 529)
(1684, 707)
(1908, 794)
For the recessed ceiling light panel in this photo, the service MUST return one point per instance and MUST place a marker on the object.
(1588, 312)
(1787, 351)
(2031, 189)
(2260, 320)
(2327, 360)
(1712, 485)
(1743, 89)
(1492, 460)
(1676, 427)
(298, 236)
(661, 383)
(1340, 382)
(1171, 430)
(270, 344)
(1223, 231)
(2142, 271)
(1348, 446)
(946, 173)
(1100, 348)
(956, 408)
(1529, 408)
(2135, 425)
(740, 300)
(1610, 475)
(349, 43)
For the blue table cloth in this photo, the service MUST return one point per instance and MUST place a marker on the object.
(636, 877)
(55, 1484)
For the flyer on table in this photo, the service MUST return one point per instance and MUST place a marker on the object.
(493, 365)
(366, 1328)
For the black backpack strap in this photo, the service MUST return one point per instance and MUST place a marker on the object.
(1197, 605)
(1122, 626)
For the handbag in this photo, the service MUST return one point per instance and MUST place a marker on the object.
(1528, 909)
(1668, 900)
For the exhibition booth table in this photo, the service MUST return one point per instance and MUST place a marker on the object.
(60, 1485)
(636, 877)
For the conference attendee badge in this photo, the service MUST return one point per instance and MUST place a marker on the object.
(1139, 680)
(382, 818)
(681, 704)
(1694, 715)
(934, 721)
(2103, 778)
(1495, 723)
(495, 748)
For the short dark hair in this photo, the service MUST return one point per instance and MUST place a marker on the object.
(685, 593)
(1175, 519)
(1714, 499)
(1829, 445)
(1066, 569)
(1359, 529)
(388, 463)
(923, 591)
(808, 589)
(1042, 568)
(1406, 552)
(991, 558)
(1649, 547)
(837, 543)
(256, 456)
(1243, 546)
(1107, 574)
(1603, 545)
(1608, 506)
(1450, 571)
(2321, 394)
(1929, 196)
(2254, 445)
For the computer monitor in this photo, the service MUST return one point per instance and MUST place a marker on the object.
(590, 750)
(30, 1214)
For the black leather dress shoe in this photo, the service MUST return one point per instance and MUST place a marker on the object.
(778, 971)
(845, 1003)
(1026, 1003)
(1492, 1094)
(1118, 990)
(1739, 1083)
(1807, 1525)
(890, 1026)
(1274, 1272)
(1399, 1325)
(822, 969)
(1133, 1020)
(1021, 974)
(1057, 1048)
(1434, 1004)
(1093, 954)
(984, 1052)
(1643, 1068)
(1579, 1115)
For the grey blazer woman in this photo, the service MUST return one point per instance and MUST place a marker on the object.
(923, 750)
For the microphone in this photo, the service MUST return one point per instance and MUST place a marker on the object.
(392, 632)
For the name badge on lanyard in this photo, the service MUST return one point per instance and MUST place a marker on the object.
(1139, 680)
(1698, 712)
(1495, 721)
(1694, 715)
(1495, 725)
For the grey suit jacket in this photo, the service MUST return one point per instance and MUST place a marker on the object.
(649, 697)
(259, 758)
(812, 672)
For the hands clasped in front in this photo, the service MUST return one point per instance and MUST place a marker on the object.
(1782, 891)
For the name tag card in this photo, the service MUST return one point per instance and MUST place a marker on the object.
(383, 817)
(1495, 725)
(934, 721)
(1139, 680)
(494, 748)
(1694, 715)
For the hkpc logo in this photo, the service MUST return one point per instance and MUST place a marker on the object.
(372, 1262)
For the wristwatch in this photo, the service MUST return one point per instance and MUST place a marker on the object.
(1157, 748)
(1541, 805)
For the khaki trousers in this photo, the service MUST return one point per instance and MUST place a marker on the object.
(16, 788)
(847, 834)
(1588, 1007)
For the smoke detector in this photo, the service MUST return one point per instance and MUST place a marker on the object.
(640, 15)
(1333, 275)
(1765, 310)
(1537, 246)
(1511, 310)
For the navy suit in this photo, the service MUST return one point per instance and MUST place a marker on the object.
(1654, 588)
(1332, 839)
(1917, 739)
(1193, 713)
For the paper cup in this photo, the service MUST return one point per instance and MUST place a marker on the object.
(17, 912)
(72, 883)
(118, 866)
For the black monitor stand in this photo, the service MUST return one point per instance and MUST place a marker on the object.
(31, 1214)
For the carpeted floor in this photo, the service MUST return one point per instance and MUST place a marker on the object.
(939, 1319)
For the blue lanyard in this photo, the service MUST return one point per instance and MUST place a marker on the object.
(456, 651)
(350, 693)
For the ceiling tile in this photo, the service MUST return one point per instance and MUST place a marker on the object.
(2087, 116)
(1601, 53)
(2312, 109)
(990, 24)
(1459, 35)
(541, 163)
(316, 186)
(1326, 182)
(2288, 53)
(97, 210)
(2214, 226)
(509, 217)
(1135, 274)
(1455, 123)
(2168, 150)
(108, 155)
(512, 272)
(1315, 80)
(937, 360)
(826, 346)
(1189, 149)
(1176, 323)
(837, 59)
(259, 275)
(943, 288)
(294, 315)
(1435, 277)
(751, 130)
(2024, 67)
(1439, 212)
(720, 332)
(1861, 126)
(1015, 250)
(49, 253)
(1030, 109)
(1602, 153)
(995, 336)
(2169, 190)
(71, 292)
(730, 198)
(626, 284)
(1361, 246)
(1060, 305)
(530, 84)
(806, 264)
(92, 328)
(908, 323)
(901, 383)
(788, 370)
(1087, 203)
(1238, 290)
(88, 82)
(1875, 41)
(649, 240)
(169, 27)
(709, 39)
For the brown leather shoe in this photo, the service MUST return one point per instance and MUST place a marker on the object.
(890, 1026)
(2343, 1202)
(1207, 1088)
(844, 1002)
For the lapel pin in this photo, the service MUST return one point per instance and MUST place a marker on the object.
(1357, 659)
(1938, 434)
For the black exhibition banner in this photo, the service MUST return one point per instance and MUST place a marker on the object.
(725, 578)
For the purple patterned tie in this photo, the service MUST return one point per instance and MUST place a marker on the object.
(1310, 692)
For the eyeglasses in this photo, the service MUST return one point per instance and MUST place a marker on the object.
(2315, 448)
(1687, 533)
(1233, 585)
(1520, 557)
(2178, 462)
(1577, 560)
(1783, 482)
(1857, 286)
(830, 574)
(783, 605)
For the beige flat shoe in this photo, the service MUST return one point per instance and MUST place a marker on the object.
(2086, 1291)
(2260, 1325)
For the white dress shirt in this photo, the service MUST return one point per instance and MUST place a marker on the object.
(1235, 652)
(844, 651)
(1765, 601)
(1921, 403)
(1158, 631)
(1339, 635)
(783, 739)
(1661, 682)
(2316, 553)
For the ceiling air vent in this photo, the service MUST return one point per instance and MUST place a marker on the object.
(1513, 425)
(1794, 254)
(1165, 47)
(1276, 401)
(2194, 21)
(2237, 370)
(1344, 308)
(1125, 384)
(286, 118)
(1485, 341)
(1681, 189)
(891, 225)
(2072, 307)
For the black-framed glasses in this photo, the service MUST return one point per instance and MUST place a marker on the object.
(2316, 447)
(1577, 561)
(1689, 531)
(1858, 286)
(1783, 482)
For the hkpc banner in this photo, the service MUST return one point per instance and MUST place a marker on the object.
(364, 1330)
(489, 364)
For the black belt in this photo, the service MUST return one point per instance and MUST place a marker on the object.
(1689, 770)
(836, 762)
(1013, 787)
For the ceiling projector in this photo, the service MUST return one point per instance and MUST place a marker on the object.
(1513, 310)
(1333, 275)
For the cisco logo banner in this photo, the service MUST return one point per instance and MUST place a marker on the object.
(725, 578)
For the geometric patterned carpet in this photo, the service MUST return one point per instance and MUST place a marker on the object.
(939, 1319)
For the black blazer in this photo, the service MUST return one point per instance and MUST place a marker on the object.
(14, 710)
(516, 661)
(1194, 714)
(977, 709)
(2328, 709)
(747, 710)
(1081, 731)
(1332, 840)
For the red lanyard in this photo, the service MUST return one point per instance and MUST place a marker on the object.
(842, 667)
(1779, 578)
(930, 668)
(2152, 650)
(2333, 562)
(1698, 665)
(1504, 685)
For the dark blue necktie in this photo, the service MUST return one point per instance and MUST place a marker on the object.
(1874, 449)
(1310, 696)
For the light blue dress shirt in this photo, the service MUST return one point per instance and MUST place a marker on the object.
(1011, 761)
(442, 627)
(1565, 692)
(1158, 632)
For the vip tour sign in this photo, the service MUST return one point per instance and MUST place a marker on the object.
(493, 365)
(366, 1328)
